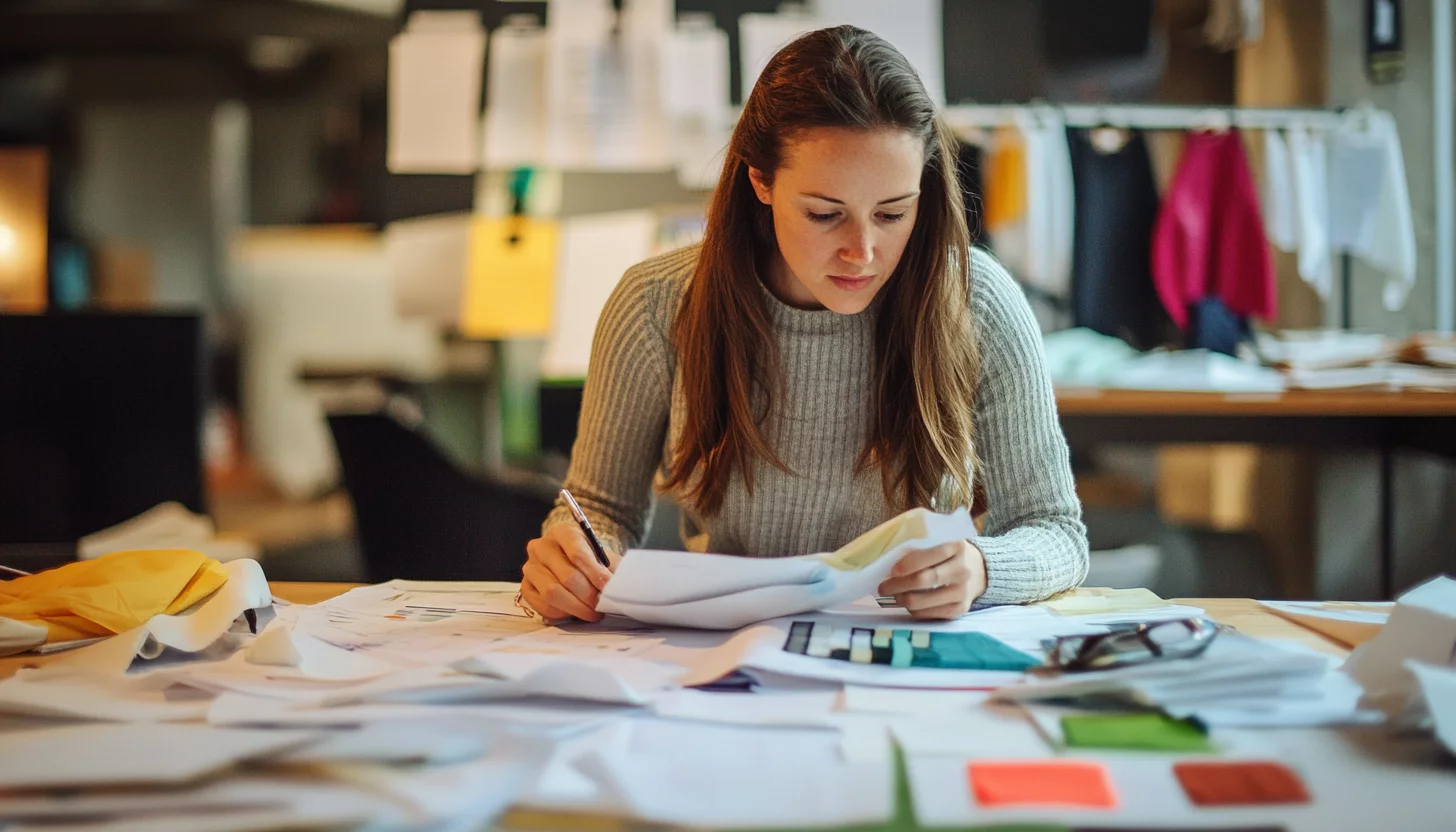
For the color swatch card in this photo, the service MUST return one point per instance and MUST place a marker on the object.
(905, 648)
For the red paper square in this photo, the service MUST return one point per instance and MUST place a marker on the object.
(1073, 783)
(1240, 783)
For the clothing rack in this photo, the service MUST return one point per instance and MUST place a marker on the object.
(965, 117)
(1147, 117)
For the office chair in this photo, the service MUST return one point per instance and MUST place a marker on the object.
(419, 516)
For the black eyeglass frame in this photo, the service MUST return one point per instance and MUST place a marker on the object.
(1086, 655)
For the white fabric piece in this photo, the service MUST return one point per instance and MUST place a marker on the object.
(1279, 212)
(18, 636)
(1312, 208)
(1050, 210)
(1370, 201)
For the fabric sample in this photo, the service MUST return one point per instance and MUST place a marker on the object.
(1209, 237)
(1050, 208)
(111, 594)
(1240, 783)
(1309, 176)
(1076, 784)
(1142, 732)
(1278, 193)
(1116, 208)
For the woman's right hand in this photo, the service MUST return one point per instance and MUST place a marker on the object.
(562, 577)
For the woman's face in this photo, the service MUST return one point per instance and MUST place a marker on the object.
(844, 202)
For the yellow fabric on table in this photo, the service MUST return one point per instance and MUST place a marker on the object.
(111, 594)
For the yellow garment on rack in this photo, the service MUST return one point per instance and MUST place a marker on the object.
(1005, 180)
(111, 594)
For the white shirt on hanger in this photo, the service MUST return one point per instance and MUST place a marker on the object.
(1370, 210)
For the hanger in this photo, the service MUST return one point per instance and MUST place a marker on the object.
(1110, 135)
(1213, 120)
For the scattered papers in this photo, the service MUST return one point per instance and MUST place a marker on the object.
(876, 700)
(94, 755)
(282, 646)
(620, 680)
(991, 732)
(1422, 627)
(796, 777)
(723, 592)
(1237, 681)
(1348, 623)
(438, 741)
(1438, 689)
(108, 698)
(801, 709)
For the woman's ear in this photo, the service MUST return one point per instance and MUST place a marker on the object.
(760, 188)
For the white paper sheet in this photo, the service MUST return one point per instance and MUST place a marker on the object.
(878, 700)
(440, 740)
(989, 732)
(550, 716)
(596, 250)
(435, 73)
(515, 102)
(110, 698)
(312, 657)
(94, 755)
(620, 680)
(722, 592)
(796, 777)
(797, 709)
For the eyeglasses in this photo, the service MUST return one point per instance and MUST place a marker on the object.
(1132, 644)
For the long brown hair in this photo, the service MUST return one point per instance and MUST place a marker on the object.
(926, 363)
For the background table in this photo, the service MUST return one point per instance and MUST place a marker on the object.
(1343, 419)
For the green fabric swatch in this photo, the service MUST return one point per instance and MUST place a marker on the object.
(1139, 732)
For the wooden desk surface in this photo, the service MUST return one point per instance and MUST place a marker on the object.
(1106, 402)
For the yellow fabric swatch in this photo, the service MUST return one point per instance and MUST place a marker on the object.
(111, 594)
(510, 284)
(1005, 180)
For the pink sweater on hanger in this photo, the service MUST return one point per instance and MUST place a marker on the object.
(1209, 238)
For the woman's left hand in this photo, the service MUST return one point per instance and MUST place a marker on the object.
(938, 583)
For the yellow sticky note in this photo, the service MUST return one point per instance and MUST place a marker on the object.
(511, 281)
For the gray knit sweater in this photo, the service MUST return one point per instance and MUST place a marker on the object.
(1034, 541)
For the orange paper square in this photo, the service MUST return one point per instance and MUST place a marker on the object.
(1073, 783)
(1240, 784)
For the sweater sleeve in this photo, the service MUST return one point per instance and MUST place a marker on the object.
(624, 415)
(1035, 543)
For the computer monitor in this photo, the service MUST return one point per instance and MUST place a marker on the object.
(100, 419)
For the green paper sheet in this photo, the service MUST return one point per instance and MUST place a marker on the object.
(1136, 732)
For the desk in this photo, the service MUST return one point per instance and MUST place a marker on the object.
(1383, 420)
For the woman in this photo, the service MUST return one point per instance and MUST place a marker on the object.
(832, 354)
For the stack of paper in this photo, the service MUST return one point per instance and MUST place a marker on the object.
(1237, 681)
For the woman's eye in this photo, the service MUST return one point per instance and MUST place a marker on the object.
(893, 217)
(813, 217)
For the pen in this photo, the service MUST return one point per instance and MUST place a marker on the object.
(585, 525)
